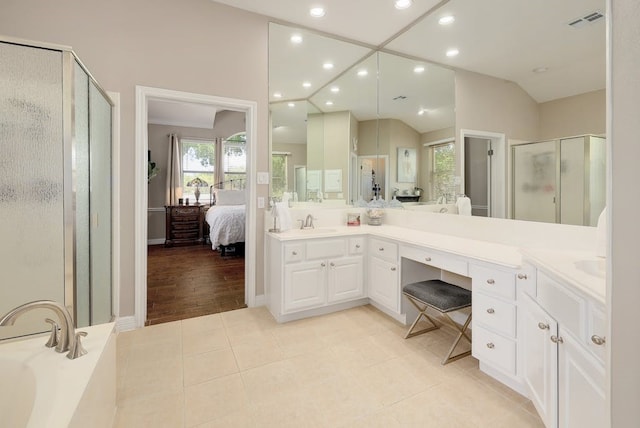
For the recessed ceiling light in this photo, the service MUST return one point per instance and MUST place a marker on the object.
(306, 84)
(327, 65)
(452, 52)
(418, 69)
(403, 4)
(317, 12)
(291, 104)
(277, 95)
(362, 73)
(421, 112)
(446, 20)
(329, 103)
(296, 38)
(335, 89)
(540, 69)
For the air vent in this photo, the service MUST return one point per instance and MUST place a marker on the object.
(587, 19)
(399, 97)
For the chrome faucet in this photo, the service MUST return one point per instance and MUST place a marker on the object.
(67, 341)
(308, 223)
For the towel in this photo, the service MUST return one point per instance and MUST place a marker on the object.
(283, 214)
(601, 234)
(464, 205)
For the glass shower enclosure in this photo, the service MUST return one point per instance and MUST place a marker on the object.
(55, 186)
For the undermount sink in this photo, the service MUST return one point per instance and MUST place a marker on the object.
(319, 230)
(592, 267)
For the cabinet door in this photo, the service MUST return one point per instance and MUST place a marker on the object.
(345, 279)
(582, 399)
(540, 359)
(383, 283)
(304, 285)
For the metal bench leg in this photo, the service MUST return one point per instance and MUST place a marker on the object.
(462, 332)
(422, 313)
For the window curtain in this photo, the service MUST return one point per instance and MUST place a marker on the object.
(174, 172)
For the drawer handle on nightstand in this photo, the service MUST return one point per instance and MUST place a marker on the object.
(522, 276)
(598, 340)
(490, 311)
(393, 269)
(490, 345)
(543, 326)
(490, 281)
(427, 259)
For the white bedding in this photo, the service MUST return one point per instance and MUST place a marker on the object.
(226, 224)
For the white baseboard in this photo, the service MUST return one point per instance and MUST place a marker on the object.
(156, 241)
(126, 323)
(260, 300)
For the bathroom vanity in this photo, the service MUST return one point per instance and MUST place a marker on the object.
(538, 316)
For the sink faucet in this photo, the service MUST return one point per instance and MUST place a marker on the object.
(68, 340)
(308, 223)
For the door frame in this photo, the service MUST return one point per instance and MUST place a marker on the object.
(497, 190)
(386, 174)
(250, 108)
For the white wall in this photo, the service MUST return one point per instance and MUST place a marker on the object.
(182, 45)
(577, 115)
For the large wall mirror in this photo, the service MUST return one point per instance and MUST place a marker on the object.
(409, 120)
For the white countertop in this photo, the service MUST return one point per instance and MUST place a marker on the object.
(579, 269)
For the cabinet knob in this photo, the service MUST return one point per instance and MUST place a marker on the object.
(393, 269)
(428, 259)
(522, 276)
(543, 326)
(332, 264)
(490, 345)
(295, 253)
(557, 339)
(490, 311)
(357, 245)
(381, 249)
(598, 340)
(323, 264)
(490, 281)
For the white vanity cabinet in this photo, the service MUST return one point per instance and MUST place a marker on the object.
(562, 340)
(315, 275)
(383, 275)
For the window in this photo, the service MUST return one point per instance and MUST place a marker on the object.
(198, 161)
(442, 169)
(278, 174)
(234, 157)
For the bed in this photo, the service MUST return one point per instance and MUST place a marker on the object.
(226, 219)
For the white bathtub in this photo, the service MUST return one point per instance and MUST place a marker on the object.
(42, 388)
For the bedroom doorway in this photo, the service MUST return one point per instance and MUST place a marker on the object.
(196, 269)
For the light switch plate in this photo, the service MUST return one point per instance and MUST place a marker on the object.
(263, 178)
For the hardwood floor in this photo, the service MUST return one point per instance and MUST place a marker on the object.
(187, 282)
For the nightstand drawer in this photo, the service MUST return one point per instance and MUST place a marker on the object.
(184, 225)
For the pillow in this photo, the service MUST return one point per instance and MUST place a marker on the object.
(230, 197)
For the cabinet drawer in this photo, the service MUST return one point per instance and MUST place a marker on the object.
(185, 211)
(493, 282)
(293, 252)
(436, 259)
(325, 248)
(383, 249)
(567, 308)
(356, 245)
(495, 314)
(596, 329)
(495, 350)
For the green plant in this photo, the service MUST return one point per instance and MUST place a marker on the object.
(152, 171)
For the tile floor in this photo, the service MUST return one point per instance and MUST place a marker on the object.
(347, 369)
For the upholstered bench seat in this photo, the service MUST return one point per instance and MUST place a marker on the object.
(444, 298)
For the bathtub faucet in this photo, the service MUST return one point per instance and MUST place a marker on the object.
(67, 340)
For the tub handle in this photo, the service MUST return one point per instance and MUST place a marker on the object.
(53, 337)
(77, 350)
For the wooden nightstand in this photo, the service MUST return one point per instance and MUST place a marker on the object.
(184, 225)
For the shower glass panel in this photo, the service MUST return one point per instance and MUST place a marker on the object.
(534, 183)
(100, 202)
(31, 181)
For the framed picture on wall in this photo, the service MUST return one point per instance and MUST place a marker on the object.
(406, 165)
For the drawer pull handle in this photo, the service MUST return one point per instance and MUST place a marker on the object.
(522, 276)
(357, 245)
(557, 339)
(393, 269)
(332, 264)
(381, 249)
(323, 264)
(543, 326)
(490, 311)
(598, 340)
(295, 253)
(490, 281)
(490, 345)
(428, 259)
